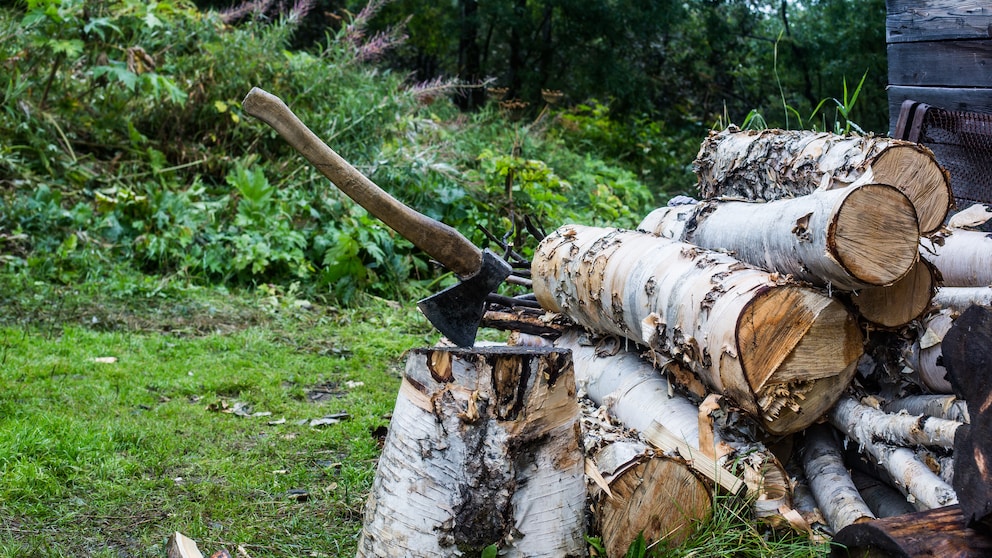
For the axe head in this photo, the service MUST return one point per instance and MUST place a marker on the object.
(457, 311)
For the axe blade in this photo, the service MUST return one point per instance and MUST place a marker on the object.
(457, 311)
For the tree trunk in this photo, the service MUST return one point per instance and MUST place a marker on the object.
(652, 494)
(774, 164)
(829, 480)
(937, 532)
(963, 257)
(900, 303)
(896, 429)
(848, 238)
(483, 449)
(784, 353)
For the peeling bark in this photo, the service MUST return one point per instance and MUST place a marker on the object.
(774, 164)
(936, 405)
(958, 299)
(899, 429)
(963, 257)
(829, 480)
(483, 448)
(782, 352)
(847, 238)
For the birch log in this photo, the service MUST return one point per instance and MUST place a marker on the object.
(882, 499)
(849, 238)
(774, 164)
(900, 429)
(783, 353)
(923, 355)
(936, 405)
(483, 448)
(898, 304)
(650, 494)
(958, 299)
(963, 257)
(829, 480)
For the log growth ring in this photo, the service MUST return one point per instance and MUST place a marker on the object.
(878, 248)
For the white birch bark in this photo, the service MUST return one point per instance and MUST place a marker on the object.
(963, 257)
(945, 406)
(829, 480)
(958, 299)
(882, 499)
(774, 164)
(899, 429)
(849, 238)
(923, 355)
(483, 448)
(783, 352)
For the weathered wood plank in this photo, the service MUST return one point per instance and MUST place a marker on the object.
(977, 99)
(949, 63)
(936, 20)
(937, 532)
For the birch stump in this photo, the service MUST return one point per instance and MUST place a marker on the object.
(774, 164)
(782, 352)
(849, 238)
(483, 448)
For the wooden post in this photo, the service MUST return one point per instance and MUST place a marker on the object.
(483, 449)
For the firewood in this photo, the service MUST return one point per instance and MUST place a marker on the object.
(829, 480)
(967, 352)
(958, 299)
(898, 304)
(784, 353)
(883, 500)
(181, 546)
(935, 405)
(963, 257)
(848, 238)
(900, 429)
(647, 493)
(937, 532)
(774, 164)
(483, 448)
(923, 355)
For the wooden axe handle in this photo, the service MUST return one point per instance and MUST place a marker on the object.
(440, 241)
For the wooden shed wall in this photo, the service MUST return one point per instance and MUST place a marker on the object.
(939, 53)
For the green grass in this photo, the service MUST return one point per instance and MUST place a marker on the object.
(107, 459)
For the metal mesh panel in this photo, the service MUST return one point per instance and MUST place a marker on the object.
(962, 143)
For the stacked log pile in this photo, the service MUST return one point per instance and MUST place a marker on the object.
(802, 292)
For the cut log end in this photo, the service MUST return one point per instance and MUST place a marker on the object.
(900, 303)
(798, 350)
(923, 181)
(874, 246)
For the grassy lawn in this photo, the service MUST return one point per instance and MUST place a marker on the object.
(123, 422)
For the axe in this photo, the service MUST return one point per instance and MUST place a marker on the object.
(456, 311)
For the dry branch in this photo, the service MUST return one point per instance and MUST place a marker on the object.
(901, 429)
(848, 238)
(935, 405)
(783, 353)
(774, 164)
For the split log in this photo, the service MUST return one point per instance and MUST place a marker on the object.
(829, 480)
(774, 164)
(849, 238)
(963, 257)
(646, 493)
(483, 448)
(967, 349)
(883, 500)
(902, 429)
(900, 303)
(935, 405)
(958, 299)
(937, 532)
(181, 546)
(784, 353)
